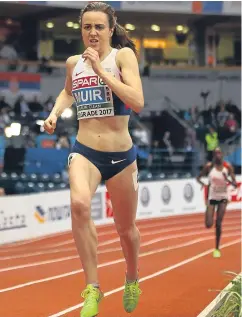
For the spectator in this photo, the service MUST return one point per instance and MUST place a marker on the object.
(167, 142)
(4, 104)
(141, 136)
(63, 142)
(8, 52)
(21, 107)
(231, 107)
(35, 105)
(49, 104)
(208, 116)
(212, 142)
(146, 71)
(154, 153)
(4, 119)
(187, 115)
(231, 124)
(195, 114)
(190, 139)
(44, 66)
(222, 116)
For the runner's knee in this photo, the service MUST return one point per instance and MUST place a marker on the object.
(80, 208)
(129, 232)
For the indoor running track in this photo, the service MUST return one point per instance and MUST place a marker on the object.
(43, 277)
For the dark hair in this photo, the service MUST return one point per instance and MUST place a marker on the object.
(217, 149)
(120, 37)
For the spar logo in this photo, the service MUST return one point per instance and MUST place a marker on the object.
(84, 82)
(52, 214)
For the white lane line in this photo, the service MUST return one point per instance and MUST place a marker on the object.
(151, 276)
(21, 243)
(182, 236)
(158, 222)
(39, 263)
(2, 258)
(171, 223)
(55, 277)
(71, 241)
(68, 258)
(108, 242)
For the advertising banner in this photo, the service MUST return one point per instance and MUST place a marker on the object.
(157, 6)
(30, 216)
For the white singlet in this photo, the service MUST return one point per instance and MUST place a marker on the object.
(94, 99)
(218, 183)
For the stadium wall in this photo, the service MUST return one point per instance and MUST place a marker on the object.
(32, 216)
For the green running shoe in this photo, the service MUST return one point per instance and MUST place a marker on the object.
(216, 253)
(131, 296)
(93, 297)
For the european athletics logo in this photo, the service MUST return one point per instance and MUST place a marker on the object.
(55, 213)
(40, 214)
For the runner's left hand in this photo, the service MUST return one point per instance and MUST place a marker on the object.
(93, 57)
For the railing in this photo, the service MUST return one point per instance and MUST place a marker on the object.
(172, 108)
(230, 145)
(135, 123)
(177, 163)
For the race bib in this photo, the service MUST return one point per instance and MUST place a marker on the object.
(93, 98)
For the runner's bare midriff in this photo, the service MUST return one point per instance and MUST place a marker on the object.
(105, 134)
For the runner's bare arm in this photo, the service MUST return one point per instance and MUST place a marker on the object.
(65, 98)
(232, 175)
(203, 173)
(130, 90)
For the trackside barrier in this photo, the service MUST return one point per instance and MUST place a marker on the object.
(219, 300)
(31, 216)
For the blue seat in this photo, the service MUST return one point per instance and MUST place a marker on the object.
(14, 176)
(159, 176)
(50, 186)
(40, 187)
(33, 177)
(20, 188)
(4, 176)
(30, 187)
(145, 175)
(56, 178)
(45, 161)
(61, 186)
(44, 177)
(23, 177)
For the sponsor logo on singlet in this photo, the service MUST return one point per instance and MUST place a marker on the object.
(93, 97)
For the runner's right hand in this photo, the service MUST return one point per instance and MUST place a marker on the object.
(50, 124)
